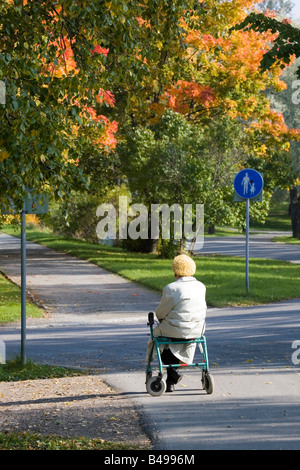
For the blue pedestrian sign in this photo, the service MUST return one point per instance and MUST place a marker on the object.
(248, 183)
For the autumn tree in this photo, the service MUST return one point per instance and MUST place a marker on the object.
(220, 80)
(80, 75)
(48, 97)
(286, 46)
(65, 64)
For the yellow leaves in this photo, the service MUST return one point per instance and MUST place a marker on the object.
(235, 9)
(222, 15)
(65, 154)
(4, 155)
(156, 85)
(230, 107)
(261, 150)
(32, 219)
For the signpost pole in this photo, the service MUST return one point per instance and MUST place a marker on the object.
(23, 286)
(33, 204)
(247, 244)
(248, 184)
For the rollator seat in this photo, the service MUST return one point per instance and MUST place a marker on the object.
(164, 338)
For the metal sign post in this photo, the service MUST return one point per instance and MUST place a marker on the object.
(33, 204)
(248, 185)
(23, 285)
(247, 243)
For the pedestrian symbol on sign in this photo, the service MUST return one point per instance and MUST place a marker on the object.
(245, 183)
(248, 184)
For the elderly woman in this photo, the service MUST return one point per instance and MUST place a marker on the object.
(181, 314)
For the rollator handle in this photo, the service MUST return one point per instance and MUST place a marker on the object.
(150, 318)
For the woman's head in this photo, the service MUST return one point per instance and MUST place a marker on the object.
(183, 266)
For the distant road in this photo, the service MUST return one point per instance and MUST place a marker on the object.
(260, 246)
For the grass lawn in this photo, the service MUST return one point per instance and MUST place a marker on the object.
(224, 277)
(10, 303)
(33, 441)
(290, 240)
(278, 219)
(14, 370)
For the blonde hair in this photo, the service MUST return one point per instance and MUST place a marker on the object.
(183, 265)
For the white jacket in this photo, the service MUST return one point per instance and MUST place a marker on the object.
(182, 313)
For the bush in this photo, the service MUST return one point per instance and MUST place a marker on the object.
(75, 218)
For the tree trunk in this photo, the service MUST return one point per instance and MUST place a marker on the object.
(295, 212)
(150, 245)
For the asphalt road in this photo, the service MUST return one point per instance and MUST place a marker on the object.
(260, 246)
(99, 320)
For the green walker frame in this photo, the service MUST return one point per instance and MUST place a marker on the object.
(156, 385)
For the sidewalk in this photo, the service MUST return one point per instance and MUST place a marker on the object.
(72, 290)
(99, 320)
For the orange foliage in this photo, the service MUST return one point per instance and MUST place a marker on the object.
(100, 50)
(66, 63)
(65, 66)
(225, 75)
(274, 129)
(180, 96)
(107, 138)
(106, 97)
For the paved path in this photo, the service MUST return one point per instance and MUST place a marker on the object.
(99, 320)
(260, 246)
(71, 289)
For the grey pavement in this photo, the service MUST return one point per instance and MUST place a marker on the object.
(97, 319)
(71, 289)
(260, 246)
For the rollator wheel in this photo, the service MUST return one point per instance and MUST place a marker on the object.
(207, 382)
(156, 386)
